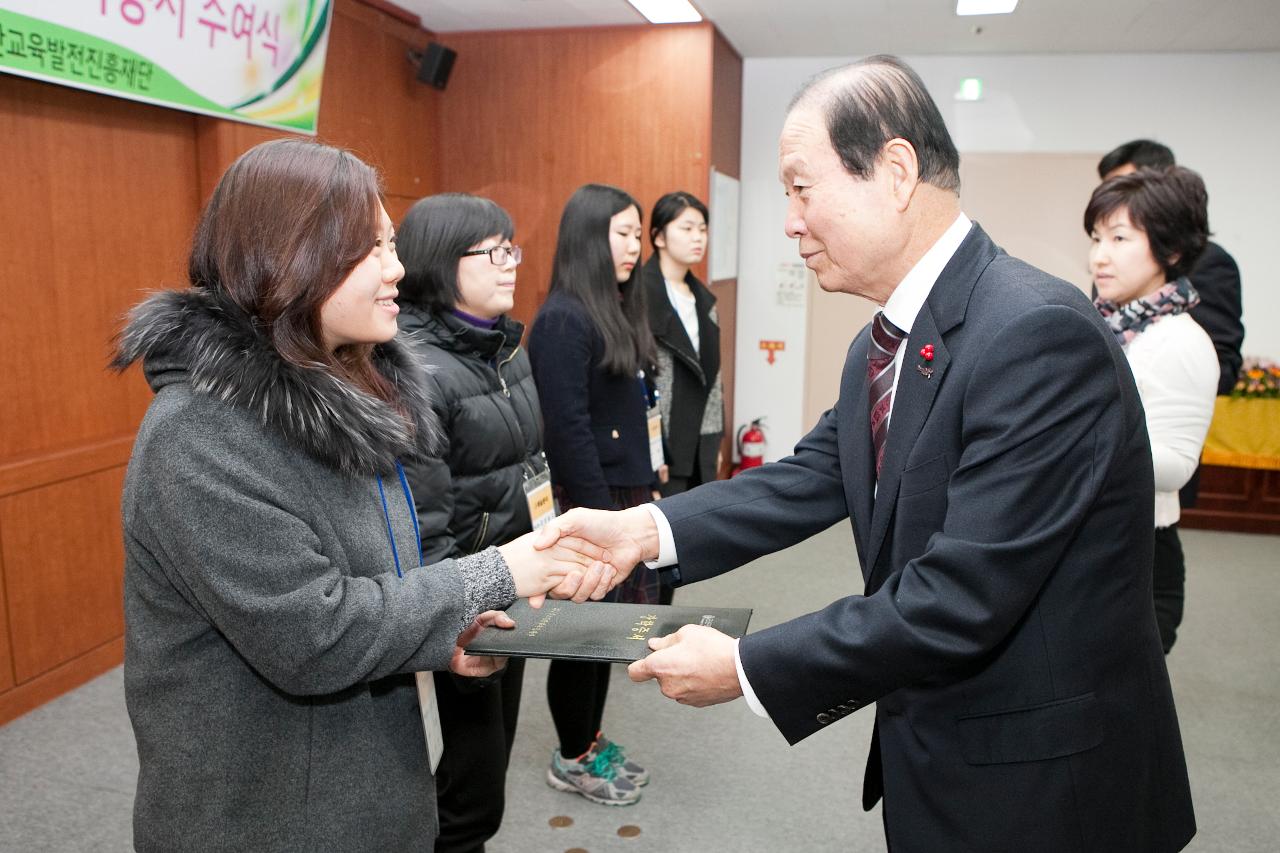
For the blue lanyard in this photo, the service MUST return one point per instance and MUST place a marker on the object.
(413, 514)
(650, 397)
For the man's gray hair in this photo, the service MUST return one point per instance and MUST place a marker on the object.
(874, 100)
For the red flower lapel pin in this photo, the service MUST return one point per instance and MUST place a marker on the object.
(926, 370)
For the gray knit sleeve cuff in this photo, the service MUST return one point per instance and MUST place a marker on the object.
(487, 583)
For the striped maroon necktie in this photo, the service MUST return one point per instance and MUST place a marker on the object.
(885, 340)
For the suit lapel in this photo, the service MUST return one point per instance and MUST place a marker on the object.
(861, 482)
(911, 404)
(917, 388)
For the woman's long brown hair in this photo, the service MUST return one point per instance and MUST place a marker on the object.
(286, 224)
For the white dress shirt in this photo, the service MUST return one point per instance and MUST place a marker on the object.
(901, 309)
(686, 308)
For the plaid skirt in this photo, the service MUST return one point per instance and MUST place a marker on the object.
(641, 586)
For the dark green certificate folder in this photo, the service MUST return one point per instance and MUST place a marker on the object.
(598, 631)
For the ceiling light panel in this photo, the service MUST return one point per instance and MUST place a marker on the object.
(985, 7)
(669, 11)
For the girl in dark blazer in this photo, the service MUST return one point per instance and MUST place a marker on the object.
(592, 356)
(460, 278)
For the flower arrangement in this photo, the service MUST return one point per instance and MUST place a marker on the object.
(1259, 378)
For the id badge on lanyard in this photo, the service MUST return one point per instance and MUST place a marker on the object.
(656, 457)
(542, 507)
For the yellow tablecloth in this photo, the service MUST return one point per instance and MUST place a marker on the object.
(1245, 433)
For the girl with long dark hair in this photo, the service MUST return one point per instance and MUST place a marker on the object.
(593, 358)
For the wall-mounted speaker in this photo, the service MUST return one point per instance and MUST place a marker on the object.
(435, 64)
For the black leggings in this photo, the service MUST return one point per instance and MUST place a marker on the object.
(479, 725)
(576, 692)
(1168, 584)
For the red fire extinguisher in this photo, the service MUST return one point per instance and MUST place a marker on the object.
(750, 445)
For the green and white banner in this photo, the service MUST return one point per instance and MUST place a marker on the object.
(256, 61)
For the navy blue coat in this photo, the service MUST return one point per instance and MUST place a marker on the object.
(1005, 631)
(596, 432)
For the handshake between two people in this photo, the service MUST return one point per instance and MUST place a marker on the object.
(584, 554)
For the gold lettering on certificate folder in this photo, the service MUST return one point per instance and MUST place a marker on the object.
(642, 627)
(542, 623)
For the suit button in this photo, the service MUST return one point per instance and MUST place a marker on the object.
(824, 718)
(613, 434)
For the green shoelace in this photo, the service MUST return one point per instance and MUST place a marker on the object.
(613, 753)
(601, 766)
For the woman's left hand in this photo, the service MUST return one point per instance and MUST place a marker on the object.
(479, 666)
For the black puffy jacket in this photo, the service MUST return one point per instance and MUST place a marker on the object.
(482, 389)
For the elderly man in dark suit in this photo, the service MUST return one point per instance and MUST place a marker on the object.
(989, 448)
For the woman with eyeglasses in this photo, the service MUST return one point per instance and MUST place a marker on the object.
(280, 623)
(593, 358)
(459, 284)
(1148, 228)
(682, 315)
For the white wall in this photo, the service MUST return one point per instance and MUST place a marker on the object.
(1219, 112)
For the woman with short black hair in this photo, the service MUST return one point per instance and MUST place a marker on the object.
(459, 284)
(1148, 228)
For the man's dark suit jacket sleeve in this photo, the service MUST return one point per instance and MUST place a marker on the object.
(1041, 415)
(1217, 279)
(771, 507)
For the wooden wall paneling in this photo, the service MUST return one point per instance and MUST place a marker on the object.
(99, 204)
(726, 153)
(7, 677)
(102, 195)
(372, 102)
(63, 556)
(529, 116)
(726, 107)
(52, 684)
(726, 293)
(44, 469)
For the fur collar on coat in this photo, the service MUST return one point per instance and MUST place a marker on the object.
(196, 337)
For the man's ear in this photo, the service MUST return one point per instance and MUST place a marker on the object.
(898, 158)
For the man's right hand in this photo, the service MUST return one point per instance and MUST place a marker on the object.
(627, 537)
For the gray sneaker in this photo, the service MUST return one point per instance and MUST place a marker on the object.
(617, 756)
(594, 778)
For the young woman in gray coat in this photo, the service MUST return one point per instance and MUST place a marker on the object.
(276, 611)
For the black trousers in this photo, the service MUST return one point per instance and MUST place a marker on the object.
(479, 727)
(1168, 583)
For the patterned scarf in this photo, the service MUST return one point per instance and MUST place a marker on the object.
(1129, 321)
